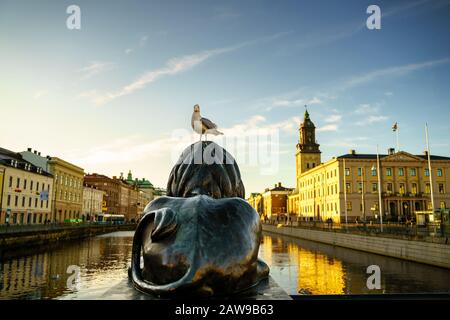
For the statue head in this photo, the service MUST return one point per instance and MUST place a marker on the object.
(205, 168)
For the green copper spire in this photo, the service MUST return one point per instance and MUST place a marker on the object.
(306, 113)
(130, 176)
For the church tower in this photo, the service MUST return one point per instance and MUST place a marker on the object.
(308, 152)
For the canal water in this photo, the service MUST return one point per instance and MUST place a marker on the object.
(298, 266)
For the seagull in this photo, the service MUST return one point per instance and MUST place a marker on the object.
(203, 125)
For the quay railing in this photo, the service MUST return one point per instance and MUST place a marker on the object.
(23, 228)
(394, 228)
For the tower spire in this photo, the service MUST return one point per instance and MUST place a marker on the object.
(306, 113)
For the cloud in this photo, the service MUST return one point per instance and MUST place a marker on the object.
(39, 94)
(334, 118)
(366, 108)
(328, 127)
(391, 71)
(371, 120)
(143, 41)
(172, 67)
(294, 103)
(388, 93)
(95, 68)
(128, 51)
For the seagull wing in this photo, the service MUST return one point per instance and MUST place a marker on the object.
(208, 123)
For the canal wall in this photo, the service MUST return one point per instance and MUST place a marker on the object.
(436, 254)
(17, 239)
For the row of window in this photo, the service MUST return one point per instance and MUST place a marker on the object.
(389, 188)
(23, 201)
(25, 184)
(400, 172)
(68, 181)
(21, 218)
(69, 196)
(401, 188)
(333, 207)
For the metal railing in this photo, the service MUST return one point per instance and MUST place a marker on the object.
(24, 228)
(394, 228)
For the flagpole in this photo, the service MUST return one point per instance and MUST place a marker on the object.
(398, 145)
(379, 189)
(429, 167)
(345, 195)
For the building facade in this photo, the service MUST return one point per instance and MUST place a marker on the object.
(93, 202)
(24, 191)
(346, 187)
(67, 195)
(274, 202)
(111, 187)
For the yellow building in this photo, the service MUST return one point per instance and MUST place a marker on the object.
(24, 191)
(67, 196)
(405, 183)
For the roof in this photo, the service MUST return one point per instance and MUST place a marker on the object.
(13, 159)
(374, 156)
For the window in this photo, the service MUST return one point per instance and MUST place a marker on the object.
(389, 188)
(414, 188)
(8, 200)
(374, 172)
(37, 186)
(401, 172)
(412, 172)
(23, 201)
(374, 187)
(10, 181)
(25, 183)
(442, 205)
(389, 172)
(360, 186)
(427, 173)
(441, 188)
(347, 172)
(31, 185)
(18, 183)
(349, 206)
(402, 188)
(35, 202)
(307, 165)
(427, 188)
(29, 202)
(359, 172)
(439, 172)
(16, 201)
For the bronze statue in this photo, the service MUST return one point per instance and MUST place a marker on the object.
(203, 237)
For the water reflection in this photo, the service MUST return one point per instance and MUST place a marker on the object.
(103, 262)
(307, 267)
(296, 265)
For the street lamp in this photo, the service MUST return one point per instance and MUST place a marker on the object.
(379, 188)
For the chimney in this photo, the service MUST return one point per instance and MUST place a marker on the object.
(114, 177)
(352, 152)
(29, 149)
(391, 151)
(39, 153)
(34, 151)
(279, 184)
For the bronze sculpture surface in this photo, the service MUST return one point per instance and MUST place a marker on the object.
(203, 237)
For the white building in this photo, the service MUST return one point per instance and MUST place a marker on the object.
(93, 202)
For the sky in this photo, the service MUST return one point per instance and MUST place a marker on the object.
(118, 93)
